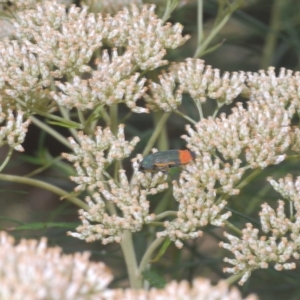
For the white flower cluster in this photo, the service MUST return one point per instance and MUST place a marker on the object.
(196, 193)
(203, 82)
(262, 131)
(23, 78)
(226, 147)
(65, 40)
(14, 131)
(289, 189)
(91, 158)
(113, 82)
(282, 89)
(144, 35)
(260, 135)
(197, 79)
(164, 95)
(200, 289)
(280, 245)
(31, 270)
(55, 43)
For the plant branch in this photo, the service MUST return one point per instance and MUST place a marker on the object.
(6, 159)
(156, 133)
(44, 185)
(148, 254)
(135, 277)
(51, 131)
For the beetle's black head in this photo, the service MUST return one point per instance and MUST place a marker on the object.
(141, 167)
(147, 163)
(193, 154)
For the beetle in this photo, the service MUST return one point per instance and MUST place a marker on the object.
(163, 160)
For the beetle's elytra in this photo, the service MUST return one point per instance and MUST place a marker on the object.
(166, 159)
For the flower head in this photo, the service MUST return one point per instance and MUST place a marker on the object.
(91, 158)
(31, 270)
(253, 252)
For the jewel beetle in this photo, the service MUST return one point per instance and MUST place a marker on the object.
(163, 160)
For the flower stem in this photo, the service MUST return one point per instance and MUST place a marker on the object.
(162, 142)
(114, 118)
(200, 21)
(169, 213)
(135, 277)
(234, 278)
(148, 254)
(156, 133)
(233, 228)
(185, 117)
(7, 159)
(249, 178)
(271, 38)
(51, 131)
(44, 185)
(66, 115)
(224, 17)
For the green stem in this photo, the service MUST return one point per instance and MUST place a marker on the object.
(156, 224)
(51, 131)
(201, 48)
(200, 21)
(105, 117)
(162, 142)
(249, 178)
(6, 159)
(233, 228)
(165, 214)
(64, 120)
(46, 186)
(160, 124)
(114, 118)
(65, 113)
(217, 110)
(291, 209)
(81, 118)
(239, 186)
(199, 107)
(164, 203)
(225, 17)
(112, 209)
(135, 277)
(185, 117)
(272, 34)
(234, 278)
(166, 15)
(44, 167)
(171, 5)
(148, 254)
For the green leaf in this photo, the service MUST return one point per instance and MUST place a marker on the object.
(95, 115)
(10, 220)
(66, 124)
(38, 226)
(162, 250)
(154, 279)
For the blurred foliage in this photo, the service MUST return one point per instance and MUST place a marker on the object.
(259, 34)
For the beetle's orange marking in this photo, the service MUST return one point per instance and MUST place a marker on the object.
(164, 164)
(185, 156)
